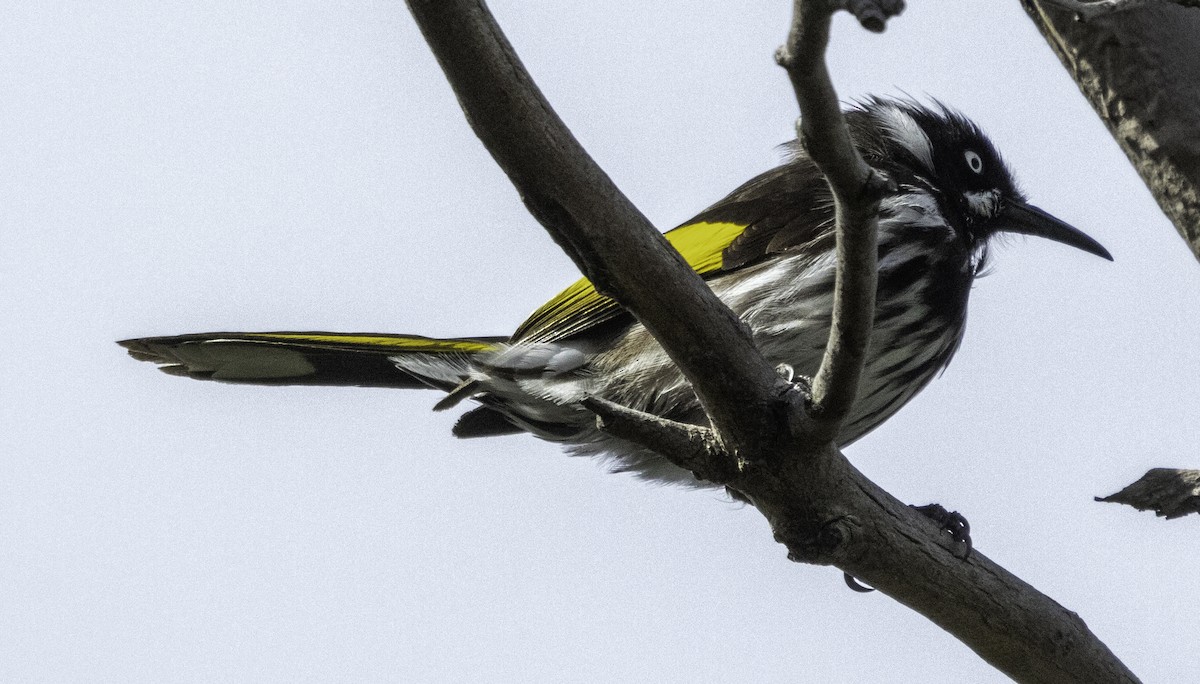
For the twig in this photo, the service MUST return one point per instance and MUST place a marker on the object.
(692, 447)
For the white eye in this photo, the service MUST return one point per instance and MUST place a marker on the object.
(974, 161)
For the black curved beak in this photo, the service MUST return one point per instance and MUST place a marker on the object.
(1019, 217)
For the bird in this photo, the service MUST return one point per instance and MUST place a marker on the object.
(766, 250)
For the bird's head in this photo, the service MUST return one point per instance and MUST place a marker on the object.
(940, 151)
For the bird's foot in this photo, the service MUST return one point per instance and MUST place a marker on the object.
(786, 371)
(802, 383)
(952, 523)
(854, 584)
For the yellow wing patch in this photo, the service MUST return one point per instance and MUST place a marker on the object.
(580, 307)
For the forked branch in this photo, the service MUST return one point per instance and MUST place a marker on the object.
(823, 509)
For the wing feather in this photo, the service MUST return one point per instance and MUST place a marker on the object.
(787, 208)
(580, 308)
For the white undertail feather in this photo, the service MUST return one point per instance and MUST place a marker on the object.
(438, 370)
(984, 203)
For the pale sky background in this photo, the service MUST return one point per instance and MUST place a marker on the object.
(183, 167)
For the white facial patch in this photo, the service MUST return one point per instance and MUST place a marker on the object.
(904, 129)
(912, 209)
(983, 203)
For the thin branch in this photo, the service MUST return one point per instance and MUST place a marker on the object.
(857, 189)
(691, 447)
(1169, 492)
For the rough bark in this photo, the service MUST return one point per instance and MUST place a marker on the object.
(1140, 70)
(1169, 492)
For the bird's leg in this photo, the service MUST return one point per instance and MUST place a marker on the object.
(952, 523)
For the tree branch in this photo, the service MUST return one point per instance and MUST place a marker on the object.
(1120, 64)
(1086, 10)
(690, 447)
(1169, 492)
(820, 507)
(857, 189)
(886, 544)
